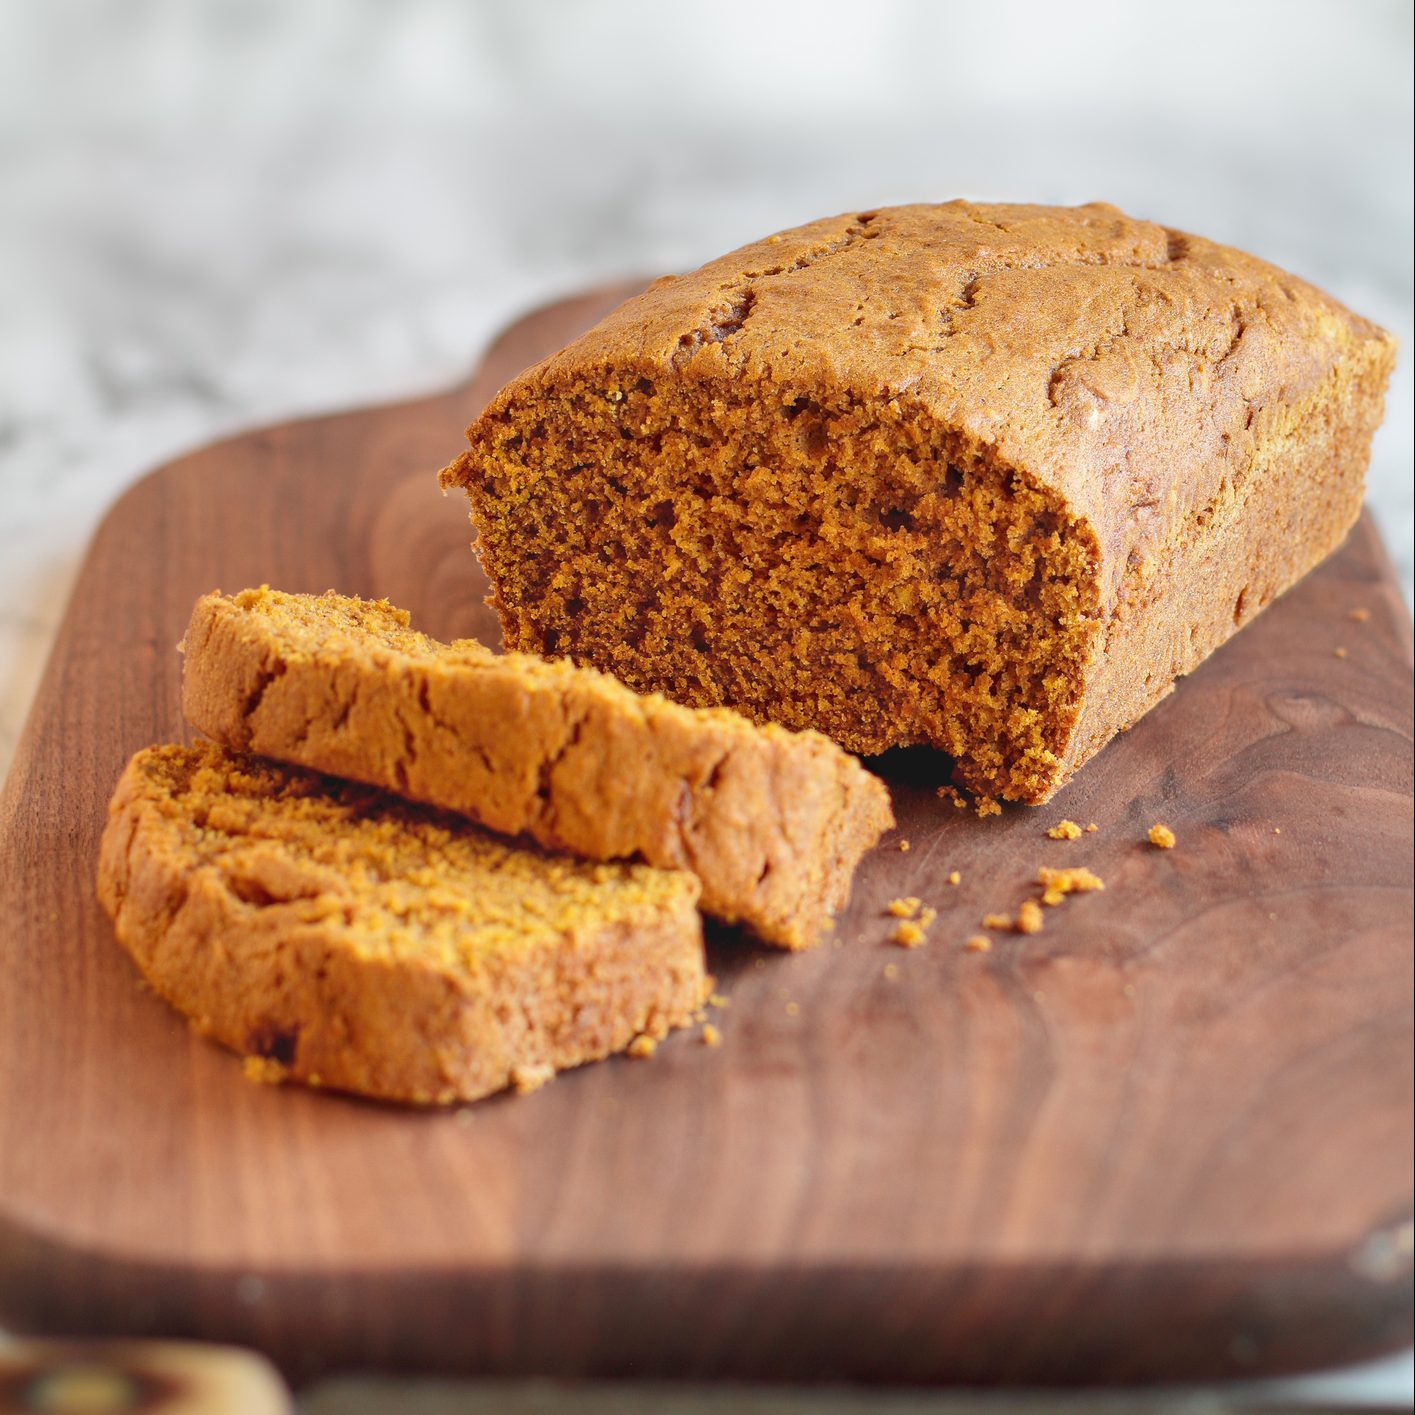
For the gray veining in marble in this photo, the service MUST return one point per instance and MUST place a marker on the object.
(219, 213)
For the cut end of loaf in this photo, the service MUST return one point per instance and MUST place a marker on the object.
(847, 565)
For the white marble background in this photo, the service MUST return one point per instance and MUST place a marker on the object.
(214, 215)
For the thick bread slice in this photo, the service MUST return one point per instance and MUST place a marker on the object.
(336, 937)
(772, 822)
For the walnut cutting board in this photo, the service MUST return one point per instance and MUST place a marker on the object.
(1168, 1137)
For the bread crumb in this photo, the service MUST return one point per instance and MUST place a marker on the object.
(988, 806)
(1059, 883)
(1029, 917)
(711, 1036)
(955, 878)
(997, 921)
(1360, 614)
(926, 917)
(717, 999)
(951, 793)
(908, 935)
(1162, 836)
(1064, 830)
(642, 1047)
(792, 1008)
(903, 908)
(979, 943)
(264, 1070)
(1339, 652)
(1092, 828)
(1277, 830)
(891, 971)
(904, 847)
(525, 1079)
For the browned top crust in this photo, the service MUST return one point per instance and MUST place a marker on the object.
(1122, 363)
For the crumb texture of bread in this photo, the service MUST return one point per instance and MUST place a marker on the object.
(773, 822)
(982, 478)
(347, 940)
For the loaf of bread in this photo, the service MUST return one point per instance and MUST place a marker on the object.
(772, 822)
(984, 478)
(334, 936)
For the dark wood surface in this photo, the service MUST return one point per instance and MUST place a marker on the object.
(1169, 1136)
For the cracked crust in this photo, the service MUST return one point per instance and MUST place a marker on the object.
(983, 478)
(772, 822)
(334, 936)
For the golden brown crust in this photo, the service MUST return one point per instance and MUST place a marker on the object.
(346, 940)
(982, 477)
(773, 823)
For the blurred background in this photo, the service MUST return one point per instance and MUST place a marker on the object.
(217, 213)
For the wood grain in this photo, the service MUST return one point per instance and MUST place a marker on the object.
(1169, 1136)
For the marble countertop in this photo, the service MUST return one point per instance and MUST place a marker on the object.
(216, 215)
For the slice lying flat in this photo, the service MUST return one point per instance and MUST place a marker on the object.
(337, 937)
(772, 822)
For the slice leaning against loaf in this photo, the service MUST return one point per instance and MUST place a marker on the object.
(772, 822)
(981, 478)
(335, 936)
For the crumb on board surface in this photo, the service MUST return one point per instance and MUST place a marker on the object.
(1064, 830)
(904, 847)
(1092, 828)
(979, 943)
(997, 921)
(988, 806)
(711, 1036)
(1029, 917)
(528, 1078)
(954, 877)
(642, 1047)
(904, 908)
(891, 971)
(1360, 614)
(1057, 884)
(908, 934)
(1161, 836)
(1339, 652)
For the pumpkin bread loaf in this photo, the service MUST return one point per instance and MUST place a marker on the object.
(985, 478)
(334, 936)
(772, 822)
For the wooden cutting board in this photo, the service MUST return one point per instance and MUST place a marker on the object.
(1169, 1136)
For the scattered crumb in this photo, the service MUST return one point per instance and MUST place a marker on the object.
(1029, 917)
(1064, 830)
(1057, 884)
(955, 878)
(1339, 652)
(1092, 828)
(1277, 830)
(711, 1036)
(891, 971)
(997, 921)
(953, 794)
(904, 846)
(717, 999)
(926, 917)
(903, 908)
(525, 1079)
(988, 806)
(1162, 836)
(642, 1047)
(792, 1008)
(1360, 614)
(979, 943)
(264, 1070)
(908, 935)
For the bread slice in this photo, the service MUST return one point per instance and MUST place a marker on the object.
(772, 822)
(334, 936)
(980, 478)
